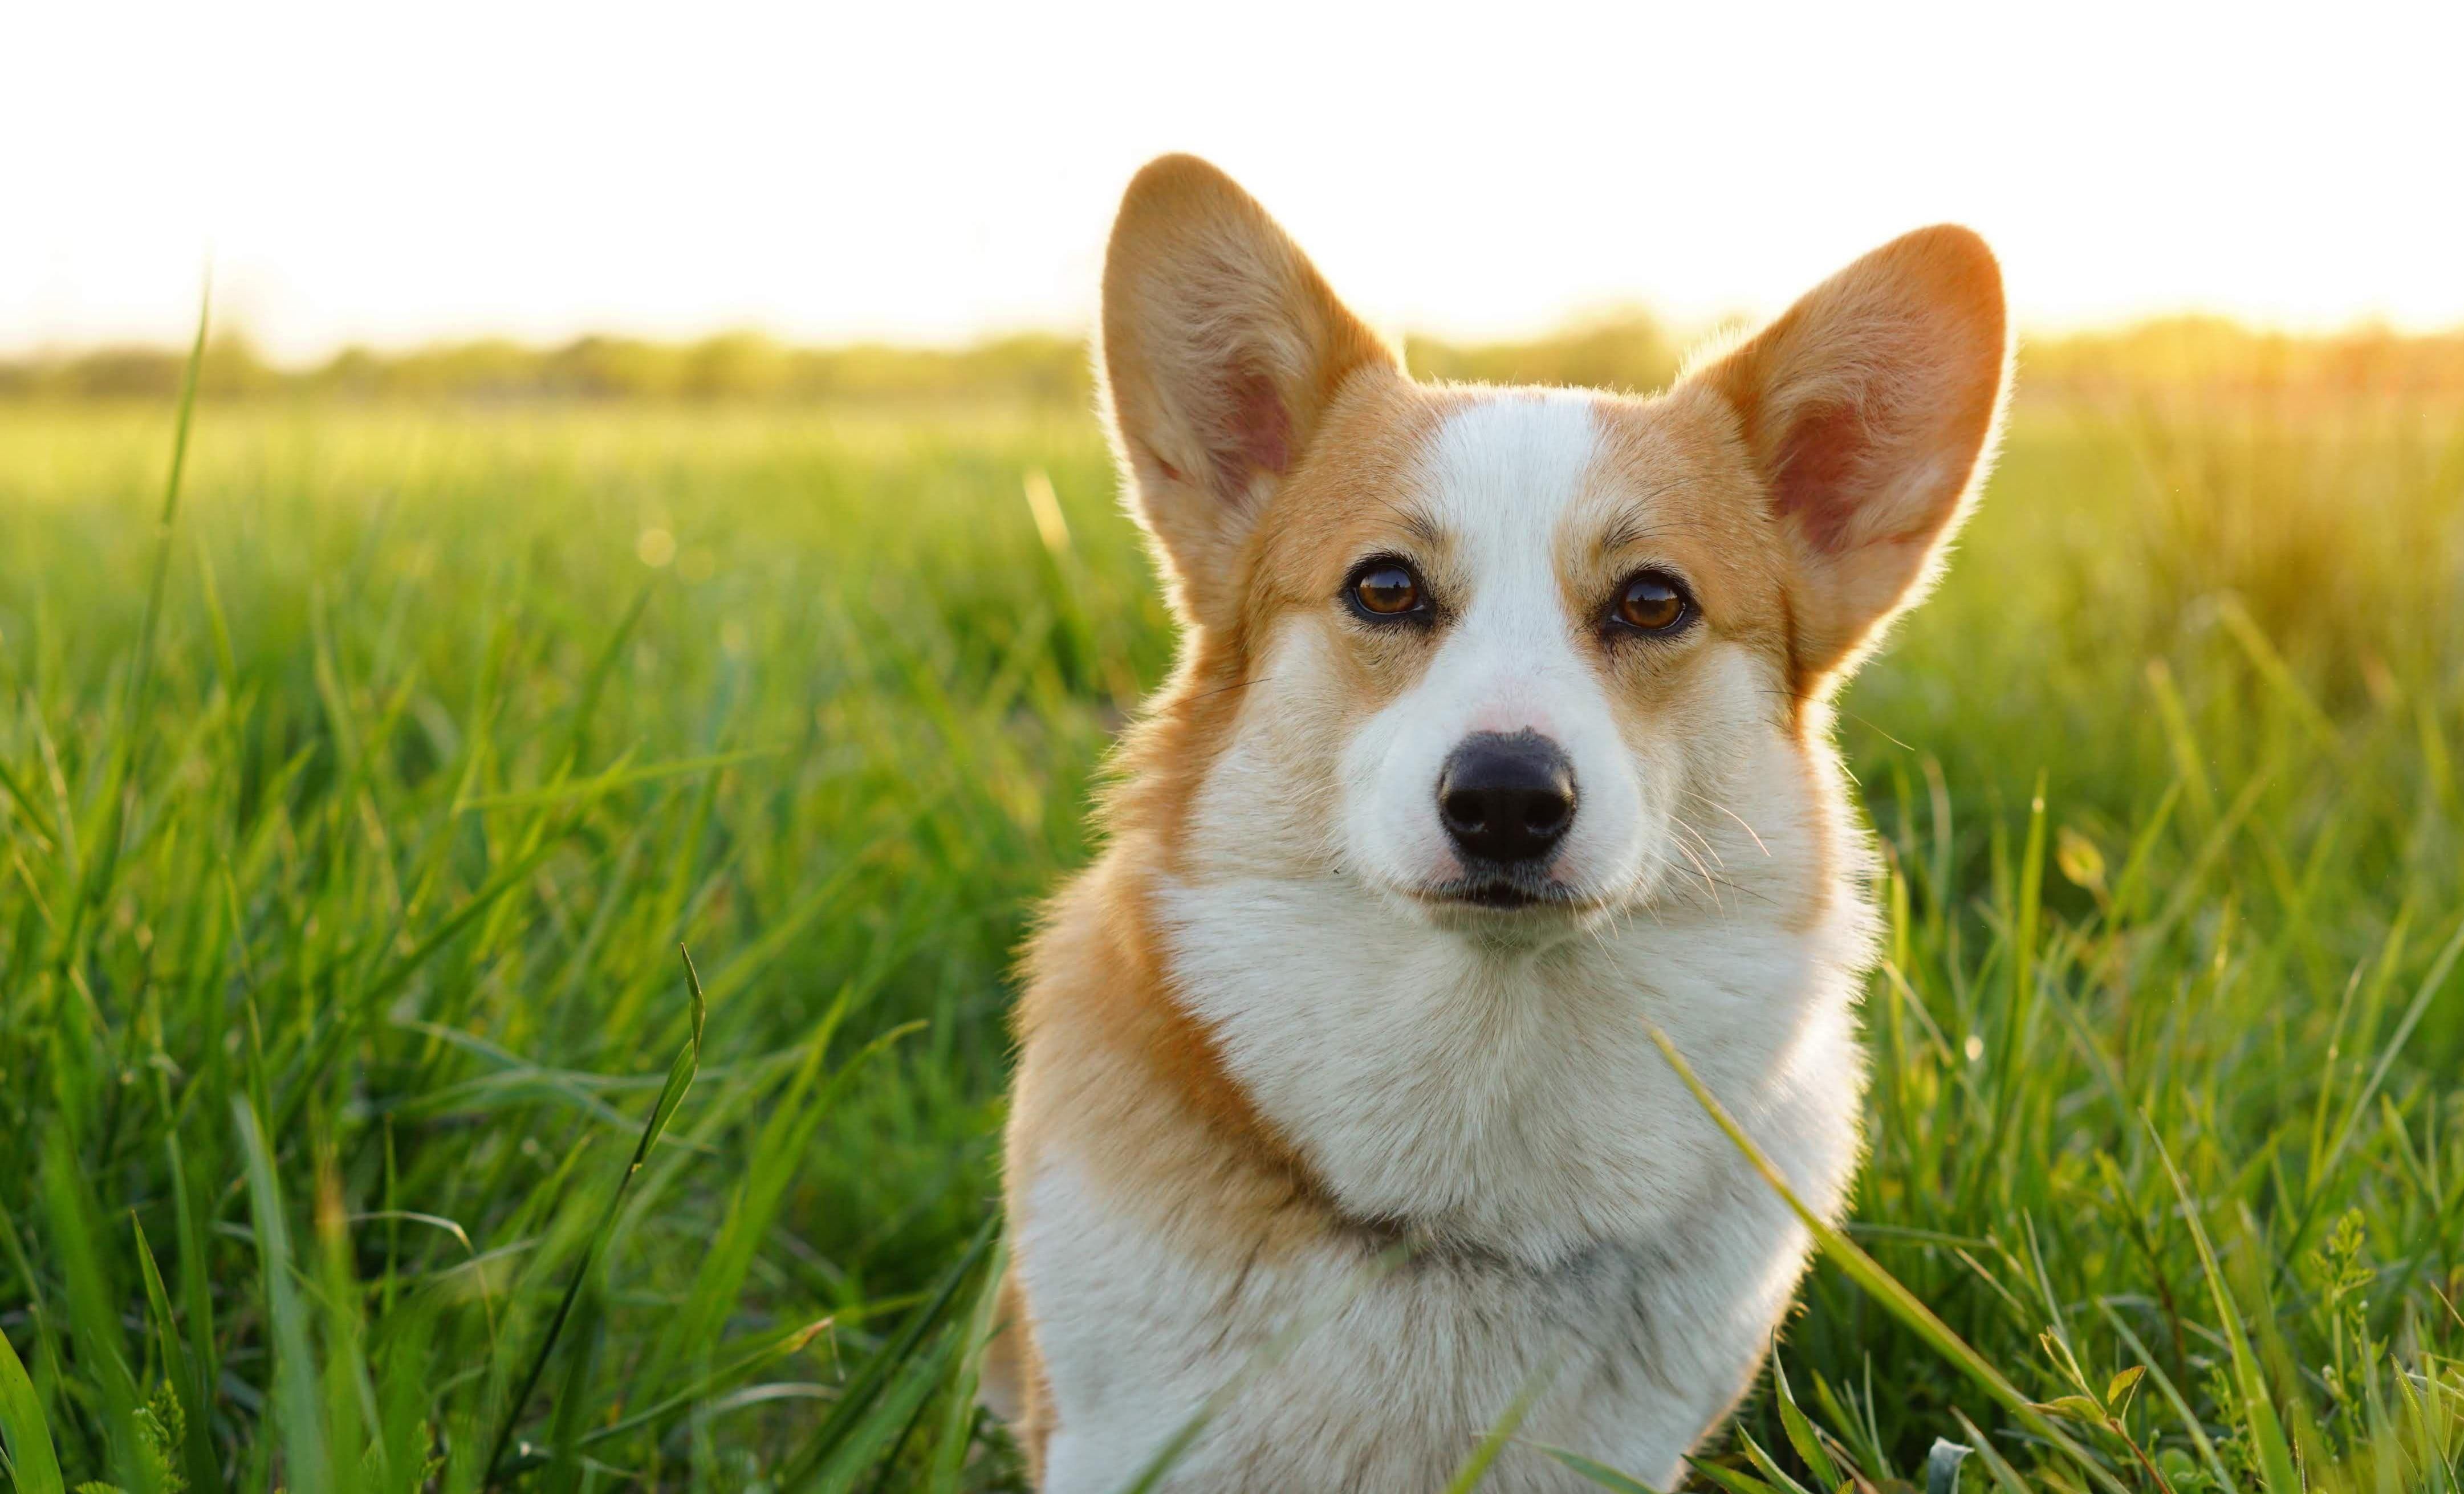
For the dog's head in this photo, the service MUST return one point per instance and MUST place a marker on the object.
(1489, 649)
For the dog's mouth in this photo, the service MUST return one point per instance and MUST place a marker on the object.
(1503, 894)
(1498, 895)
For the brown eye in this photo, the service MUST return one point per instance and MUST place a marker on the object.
(1653, 603)
(1386, 588)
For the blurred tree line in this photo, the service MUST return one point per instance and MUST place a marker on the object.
(1627, 350)
(734, 366)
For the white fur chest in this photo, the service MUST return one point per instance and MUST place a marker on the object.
(1510, 1099)
(1363, 1366)
(1540, 1201)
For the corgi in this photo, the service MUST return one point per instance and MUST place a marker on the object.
(1497, 736)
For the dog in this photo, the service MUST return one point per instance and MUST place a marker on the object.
(1499, 739)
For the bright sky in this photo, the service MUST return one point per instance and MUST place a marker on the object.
(868, 167)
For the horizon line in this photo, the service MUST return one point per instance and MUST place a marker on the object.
(1681, 334)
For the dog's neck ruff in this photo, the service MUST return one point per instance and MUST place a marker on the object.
(1506, 1097)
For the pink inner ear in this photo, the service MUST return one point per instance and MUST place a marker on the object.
(1257, 435)
(1820, 468)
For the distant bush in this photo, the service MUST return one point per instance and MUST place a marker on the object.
(2215, 355)
(231, 366)
(1626, 350)
(1034, 367)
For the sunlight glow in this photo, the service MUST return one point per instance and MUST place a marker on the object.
(397, 175)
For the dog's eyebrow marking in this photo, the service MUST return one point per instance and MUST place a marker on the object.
(1633, 529)
(1419, 526)
(1632, 525)
(1629, 529)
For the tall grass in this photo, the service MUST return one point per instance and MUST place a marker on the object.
(360, 1127)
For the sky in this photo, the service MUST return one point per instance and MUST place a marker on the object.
(399, 174)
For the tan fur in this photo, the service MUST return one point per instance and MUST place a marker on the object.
(1115, 1072)
(1902, 355)
(1222, 348)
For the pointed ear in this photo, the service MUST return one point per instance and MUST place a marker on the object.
(1868, 410)
(1222, 348)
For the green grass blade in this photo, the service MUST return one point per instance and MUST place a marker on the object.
(1857, 1432)
(197, 1462)
(1867, 1273)
(1597, 1472)
(958, 1419)
(2172, 1393)
(750, 1358)
(770, 1168)
(621, 775)
(2431, 983)
(93, 1312)
(1801, 1433)
(140, 679)
(32, 1462)
(299, 1423)
(1767, 1466)
(848, 1417)
(2267, 1431)
(2006, 1477)
(876, 1438)
(1729, 1479)
(680, 1078)
(1500, 1431)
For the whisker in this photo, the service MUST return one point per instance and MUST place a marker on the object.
(1733, 815)
(1869, 724)
(1700, 838)
(1706, 874)
(1237, 684)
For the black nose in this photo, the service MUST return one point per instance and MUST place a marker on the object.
(1506, 797)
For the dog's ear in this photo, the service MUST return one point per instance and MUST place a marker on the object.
(1222, 348)
(1868, 410)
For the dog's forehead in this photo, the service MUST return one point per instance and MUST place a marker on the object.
(1518, 471)
(1501, 473)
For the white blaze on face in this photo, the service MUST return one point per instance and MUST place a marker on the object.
(1503, 479)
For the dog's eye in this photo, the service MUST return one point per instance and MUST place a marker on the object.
(1652, 602)
(1386, 588)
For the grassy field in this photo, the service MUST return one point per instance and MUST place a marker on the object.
(340, 900)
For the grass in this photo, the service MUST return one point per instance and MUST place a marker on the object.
(361, 1127)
